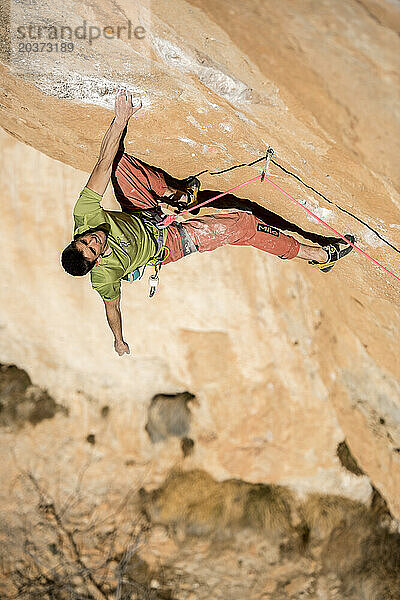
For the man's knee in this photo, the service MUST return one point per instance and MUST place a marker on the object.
(246, 225)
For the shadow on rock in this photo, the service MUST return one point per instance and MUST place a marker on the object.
(21, 402)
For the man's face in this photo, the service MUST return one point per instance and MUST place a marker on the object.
(92, 245)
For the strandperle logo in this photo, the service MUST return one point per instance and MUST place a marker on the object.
(51, 33)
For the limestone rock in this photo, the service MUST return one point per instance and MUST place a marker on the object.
(285, 362)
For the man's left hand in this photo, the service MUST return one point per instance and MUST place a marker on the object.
(121, 348)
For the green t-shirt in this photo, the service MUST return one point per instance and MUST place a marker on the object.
(131, 238)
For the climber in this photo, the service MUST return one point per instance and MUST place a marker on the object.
(113, 244)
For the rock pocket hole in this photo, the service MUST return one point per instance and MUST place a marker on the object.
(169, 416)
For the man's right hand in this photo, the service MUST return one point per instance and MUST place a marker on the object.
(121, 348)
(124, 107)
(101, 173)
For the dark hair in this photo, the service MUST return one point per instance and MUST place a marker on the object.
(74, 262)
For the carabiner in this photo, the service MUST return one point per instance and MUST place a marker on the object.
(269, 154)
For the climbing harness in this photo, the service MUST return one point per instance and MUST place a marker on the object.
(154, 218)
(169, 219)
(162, 252)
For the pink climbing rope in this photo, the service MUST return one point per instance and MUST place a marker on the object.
(171, 218)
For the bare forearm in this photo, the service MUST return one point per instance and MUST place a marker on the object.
(101, 173)
(114, 319)
(111, 140)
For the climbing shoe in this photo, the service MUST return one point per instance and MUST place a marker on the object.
(191, 187)
(334, 253)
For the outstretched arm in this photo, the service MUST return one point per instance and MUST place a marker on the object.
(101, 173)
(114, 319)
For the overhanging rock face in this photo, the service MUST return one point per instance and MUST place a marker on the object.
(285, 362)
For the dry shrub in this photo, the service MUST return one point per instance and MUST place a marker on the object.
(78, 547)
(193, 503)
(366, 558)
(356, 547)
(322, 513)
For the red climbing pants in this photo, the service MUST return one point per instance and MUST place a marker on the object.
(141, 186)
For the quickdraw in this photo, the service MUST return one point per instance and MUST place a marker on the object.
(269, 154)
